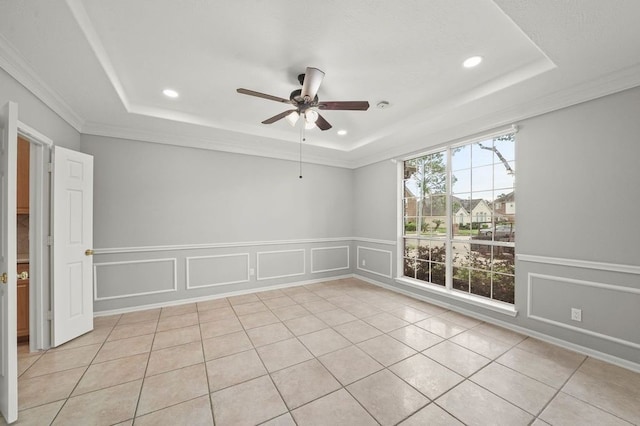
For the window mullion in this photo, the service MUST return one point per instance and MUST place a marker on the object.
(449, 225)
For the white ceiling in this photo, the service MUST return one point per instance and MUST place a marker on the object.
(102, 66)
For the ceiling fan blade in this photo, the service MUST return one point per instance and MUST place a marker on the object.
(263, 95)
(312, 80)
(322, 123)
(278, 117)
(344, 105)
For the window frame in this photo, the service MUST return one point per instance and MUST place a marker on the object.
(447, 290)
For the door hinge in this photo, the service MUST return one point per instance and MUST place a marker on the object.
(50, 167)
(48, 316)
(49, 240)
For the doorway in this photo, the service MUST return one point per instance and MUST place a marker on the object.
(22, 239)
(33, 226)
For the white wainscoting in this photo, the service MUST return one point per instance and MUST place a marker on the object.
(280, 264)
(336, 261)
(207, 246)
(216, 270)
(577, 263)
(379, 261)
(138, 273)
(589, 298)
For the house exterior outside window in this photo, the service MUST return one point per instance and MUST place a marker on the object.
(459, 219)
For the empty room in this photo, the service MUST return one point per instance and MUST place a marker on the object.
(319, 213)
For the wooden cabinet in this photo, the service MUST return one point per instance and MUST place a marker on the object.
(23, 176)
(23, 303)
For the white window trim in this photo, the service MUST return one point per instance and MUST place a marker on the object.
(484, 302)
(447, 290)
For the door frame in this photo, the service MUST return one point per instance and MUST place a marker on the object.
(39, 232)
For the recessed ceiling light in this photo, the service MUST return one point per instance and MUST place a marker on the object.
(342, 132)
(170, 93)
(472, 61)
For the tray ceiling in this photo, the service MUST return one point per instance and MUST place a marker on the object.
(103, 65)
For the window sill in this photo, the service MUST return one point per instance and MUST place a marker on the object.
(492, 305)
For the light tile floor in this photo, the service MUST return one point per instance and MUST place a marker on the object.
(340, 352)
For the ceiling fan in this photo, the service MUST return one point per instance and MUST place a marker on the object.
(305, 102)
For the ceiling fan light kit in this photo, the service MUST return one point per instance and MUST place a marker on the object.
(310, 116)
(292, 118)
(306, 102)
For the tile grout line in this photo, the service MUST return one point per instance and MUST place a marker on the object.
(206, 370)
(282, 322)
(262, 362)
(83, 374)
(349, 291)
(144, 374)
(318, 360)
(579, 399)
(342, 386)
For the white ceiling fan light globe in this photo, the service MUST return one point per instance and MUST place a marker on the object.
(309, 125)
(293, 118)
(310, 116)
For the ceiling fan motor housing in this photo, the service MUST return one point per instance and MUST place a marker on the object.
(296, 97)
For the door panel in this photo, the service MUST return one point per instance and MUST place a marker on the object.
(72, 307)
(8, 264)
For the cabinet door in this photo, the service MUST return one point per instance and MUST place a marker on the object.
(23, 302)
(22, 203)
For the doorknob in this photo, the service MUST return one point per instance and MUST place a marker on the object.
(24, 275)
(88, 252)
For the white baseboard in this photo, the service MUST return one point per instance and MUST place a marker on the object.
(213, 297)
(624, 363)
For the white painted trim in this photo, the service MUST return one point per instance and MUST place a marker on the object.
(93, 39)
(621, 289)
(479, 301)
(12, 62)
(333, 269)
(95, 278)
(577, 263)
(177, 247)
(624, 363)
(33, 135)
(304, 264)
(370, 271)
(188, 259)
(374, 241)
(463, 141)
(39, 228)
(608, 84)
(215, 297)
(208, 143)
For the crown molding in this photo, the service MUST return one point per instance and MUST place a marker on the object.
(211, 144)
(12, 62)
(608, 84)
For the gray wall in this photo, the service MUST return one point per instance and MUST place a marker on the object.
(577, 242)
(34, 113)
(376, 203)
(174, 223)
(199, 220)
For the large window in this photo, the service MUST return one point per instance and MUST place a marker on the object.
(459, 218)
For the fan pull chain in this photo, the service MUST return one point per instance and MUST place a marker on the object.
(302, 138)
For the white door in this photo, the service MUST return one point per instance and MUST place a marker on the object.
(72, 289)
(8, 263)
